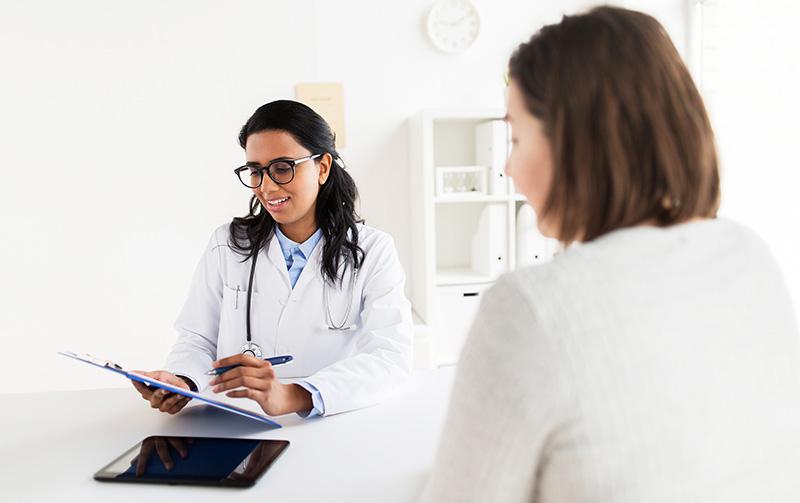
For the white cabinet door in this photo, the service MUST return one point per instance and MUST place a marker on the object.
(455, 310)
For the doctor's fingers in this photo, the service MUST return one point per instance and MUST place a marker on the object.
(178, 407)
(167, 377)
(266, 372)
(252, 394)
(142, 389)
(158, 397)
(246, 360)
(251, 382)
(174, 404)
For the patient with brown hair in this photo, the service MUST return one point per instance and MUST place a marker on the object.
(656, 359)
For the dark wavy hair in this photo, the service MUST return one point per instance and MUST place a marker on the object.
(335, 209)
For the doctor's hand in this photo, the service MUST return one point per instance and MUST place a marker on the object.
(256, 380)
(161, 399)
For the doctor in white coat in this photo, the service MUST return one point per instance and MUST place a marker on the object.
(321, 287)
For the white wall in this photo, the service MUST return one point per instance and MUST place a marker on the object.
(118, 126)
(751, 83)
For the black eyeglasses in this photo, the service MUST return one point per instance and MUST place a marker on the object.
(280, 171)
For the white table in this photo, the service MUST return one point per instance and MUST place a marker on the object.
(51, 444)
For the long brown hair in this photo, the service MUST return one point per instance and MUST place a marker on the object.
(630, 135)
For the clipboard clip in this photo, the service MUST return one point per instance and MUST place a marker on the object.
(86, 357)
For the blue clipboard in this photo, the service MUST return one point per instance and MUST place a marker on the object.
(117, 369)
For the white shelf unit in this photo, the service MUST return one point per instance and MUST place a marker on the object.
(461, 241)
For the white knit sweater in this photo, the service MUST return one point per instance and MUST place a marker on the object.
(650, 365)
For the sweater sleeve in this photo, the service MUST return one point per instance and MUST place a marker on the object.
(508, 397)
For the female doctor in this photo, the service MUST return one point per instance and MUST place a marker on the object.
(300, 275)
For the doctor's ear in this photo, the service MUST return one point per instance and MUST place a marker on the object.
(325, 168)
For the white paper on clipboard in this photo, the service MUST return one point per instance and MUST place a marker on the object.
(117, 369)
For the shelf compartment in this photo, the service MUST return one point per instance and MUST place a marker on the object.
(461, 276)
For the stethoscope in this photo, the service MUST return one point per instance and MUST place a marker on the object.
(251, 348)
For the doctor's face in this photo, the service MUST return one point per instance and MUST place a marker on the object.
(530, 164)
(292, 205)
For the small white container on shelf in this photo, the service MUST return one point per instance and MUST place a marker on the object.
(532, 247)
(461, 181)
(490, 242)
(491, 150)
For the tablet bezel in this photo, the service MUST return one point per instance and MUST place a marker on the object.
(104, 475)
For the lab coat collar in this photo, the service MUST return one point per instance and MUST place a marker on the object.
(311, 269)
(306, 247)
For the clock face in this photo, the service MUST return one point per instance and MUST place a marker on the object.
(453, 25)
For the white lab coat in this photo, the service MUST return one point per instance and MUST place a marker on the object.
(351, 368)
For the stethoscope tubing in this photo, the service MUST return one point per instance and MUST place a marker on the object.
(331, 325)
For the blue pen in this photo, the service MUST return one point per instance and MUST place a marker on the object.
(275, 360)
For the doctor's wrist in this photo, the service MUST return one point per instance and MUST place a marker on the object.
(301, 399)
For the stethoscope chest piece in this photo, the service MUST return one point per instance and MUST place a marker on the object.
(252, 349)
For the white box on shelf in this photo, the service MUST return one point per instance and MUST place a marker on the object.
(460, 181)
(491, 150)
(490, 242)
(532, 247)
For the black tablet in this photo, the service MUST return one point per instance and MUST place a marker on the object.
(231, 462)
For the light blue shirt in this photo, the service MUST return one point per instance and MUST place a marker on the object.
(296, 255)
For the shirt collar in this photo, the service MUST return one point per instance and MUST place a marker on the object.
(305, 248)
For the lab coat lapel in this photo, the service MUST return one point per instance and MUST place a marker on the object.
(275, 256)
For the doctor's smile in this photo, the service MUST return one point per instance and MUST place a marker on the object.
(277, 204)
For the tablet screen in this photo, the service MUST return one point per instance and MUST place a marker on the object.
(198, 460)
